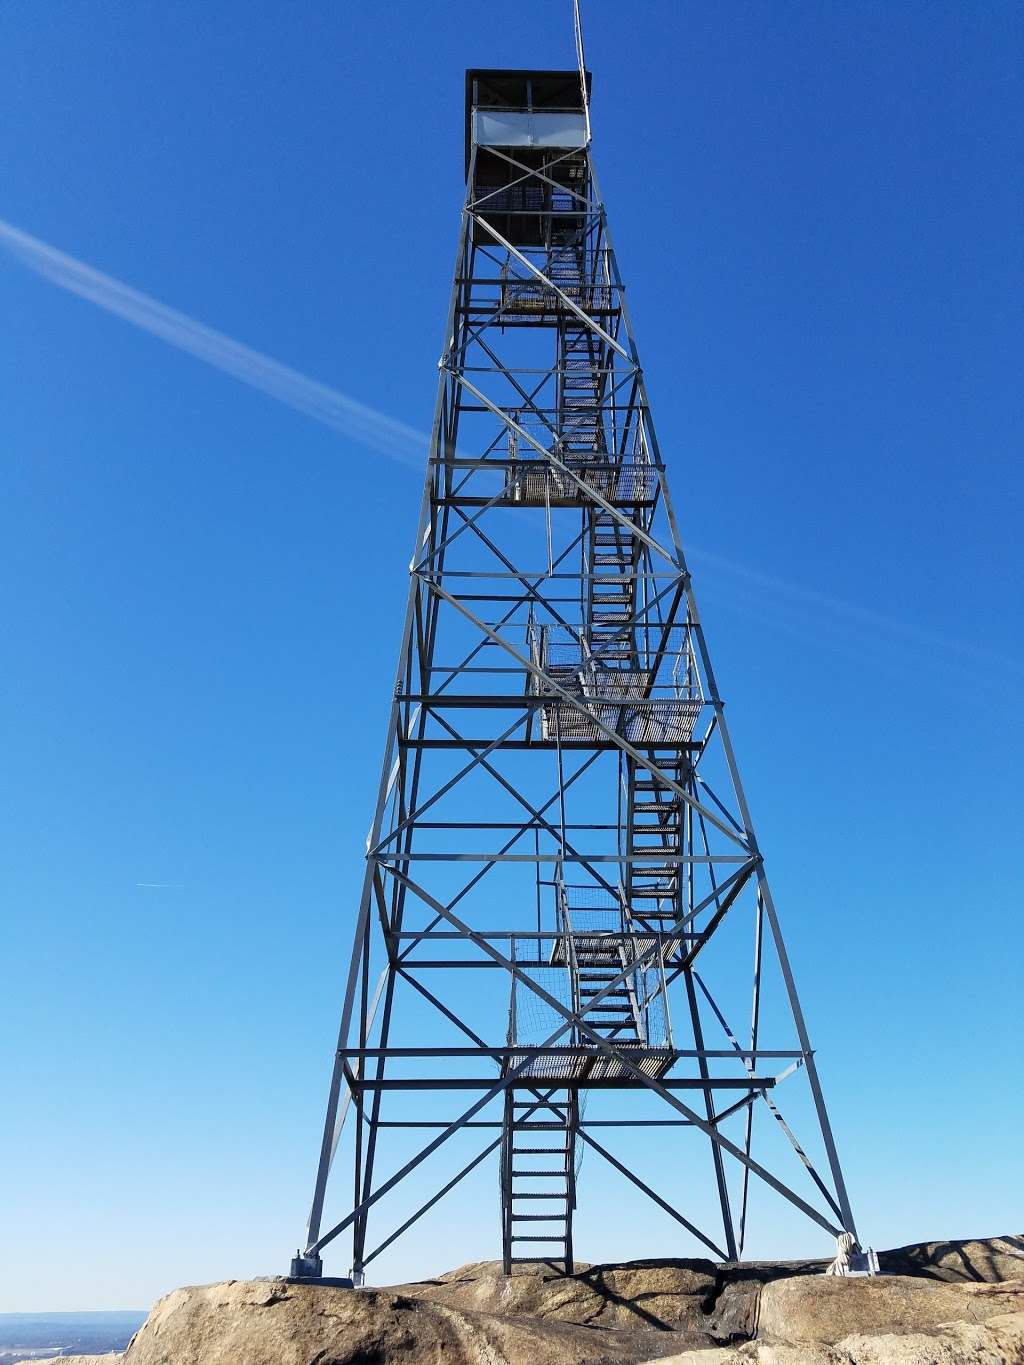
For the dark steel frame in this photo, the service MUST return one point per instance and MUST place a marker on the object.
(505, 455)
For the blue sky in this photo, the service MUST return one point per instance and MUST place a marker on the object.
(817, 210)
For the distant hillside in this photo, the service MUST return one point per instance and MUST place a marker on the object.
(28, 1336)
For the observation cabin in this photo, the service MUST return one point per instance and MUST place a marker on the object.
(537, 118)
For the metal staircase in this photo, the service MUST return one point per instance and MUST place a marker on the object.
(612, 554)
(654, 825)
(599, 960)
(581, 424)
(538, 1175)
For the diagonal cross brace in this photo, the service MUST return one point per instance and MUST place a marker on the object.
(588, 489)
(613, 1053)
(559, 691)
(651, 1194)
(504, 1082)
(539, 274)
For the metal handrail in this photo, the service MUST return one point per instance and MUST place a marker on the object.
(638, 985)
(569, 948)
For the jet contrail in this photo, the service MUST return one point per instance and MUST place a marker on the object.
(319, 401)
(396, 440)
(866, 621)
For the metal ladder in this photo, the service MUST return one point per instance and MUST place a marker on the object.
(538, 1177)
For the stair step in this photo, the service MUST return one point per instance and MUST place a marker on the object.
(516, 1194)
(546, 1174)
(539, 1218)
(553, 1238)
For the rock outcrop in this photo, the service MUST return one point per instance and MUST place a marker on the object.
(655, 1295)
(941, 1303)
(1000, 1341)
(827, 1310)
(275, 1323)
(997, 1258)
(713, 1304)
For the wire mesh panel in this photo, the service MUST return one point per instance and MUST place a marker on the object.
(598, 958)
(603, 687)
(535, 1020)
(533, 296)
(668, 721)
(645, 724)
(533, 482)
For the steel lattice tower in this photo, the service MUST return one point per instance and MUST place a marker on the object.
(564, 894)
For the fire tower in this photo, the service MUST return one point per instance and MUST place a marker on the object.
(565, 915)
